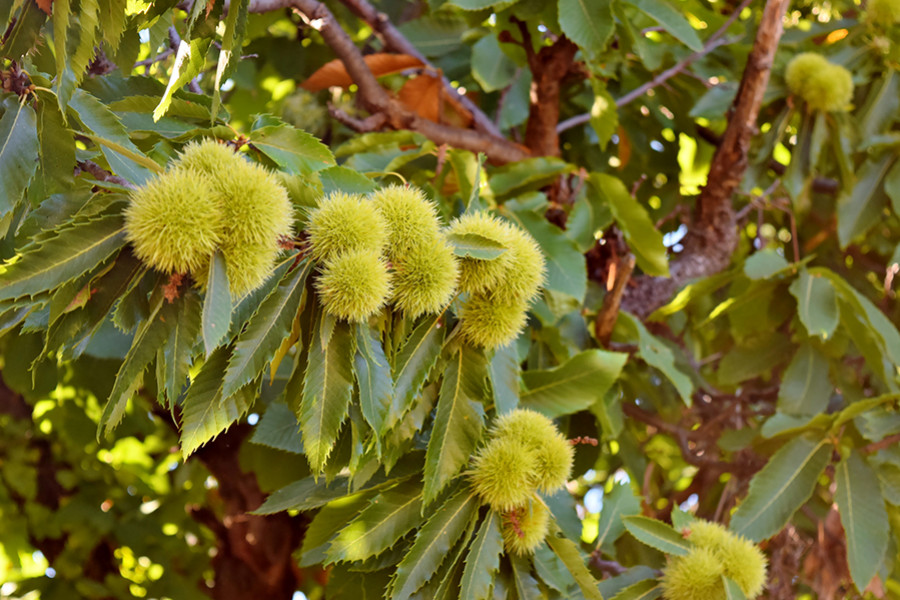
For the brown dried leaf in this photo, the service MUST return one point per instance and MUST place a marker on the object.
(334, 74)
(425, 95)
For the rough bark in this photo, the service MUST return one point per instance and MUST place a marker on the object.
(713, 236)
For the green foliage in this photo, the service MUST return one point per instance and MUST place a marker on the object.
(414, 380)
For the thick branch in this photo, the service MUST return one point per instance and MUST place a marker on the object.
(376, 99)
(713, 237)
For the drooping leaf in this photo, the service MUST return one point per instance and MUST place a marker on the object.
(671, 20)
(305, 494)
(74, 251)
(657, 534)
(504, 373)
(568, 553)
(232, 39)
(656, 354)
(268, 326)
(25, 32)
(207, 412)
(647, 589)
(619, 503)
(604, 116)
(216, 304)
(57, 146)
(326, 393)
(373, 376)
(150, 337)
(413, 364)
(859, 208)
(278, 428)
(863, 515)
(805, 387)
(76, 56)
(189, 61)
(645, 241)
(491, 68)
(327, 523)
(18, 152)
(390, 516)
(293, 150)
(433, 543)
(104, 124)
(816, 304)
(472, 245)
(588, 23)
(781, 487)
(483, 559)
(458, 422)
(574, 385)
(526, 585)
(179, 348)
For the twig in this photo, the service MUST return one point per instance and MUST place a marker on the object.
(396, 41)
(101, 174)
(881, 444)
(370, 123)
(713, 237)
(376, 99)
(609, 312)
(714, 41)
(610, 567)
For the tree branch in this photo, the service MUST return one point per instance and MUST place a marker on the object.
(713, 236)
(376, 99)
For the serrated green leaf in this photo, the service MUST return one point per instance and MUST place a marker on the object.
(327, 523)
(135, 156)
(268, 326)
(781, 487)
(413, 364)
(18, 150)
(105, 125)
(112, 22)
(293, 150)
(206, 412)
(390, 516)
(433, 543)
(373, 376)
(232, 39)
(491, 68)
(657, 534)
(458, 422)
(76, 250)
(327, 389)
(574, 385)
(57, 146)
(216, 304)
(816, 304)
(588, 23)
(671, 20)
(642, 590)
(880, 106)
(526, 585)
(472, 245)
(305, 494)
(483, 560)
(62, 12)
(77, 58)
(150, 337)
(568, 553)
(805, 387)
(864, 517)
(179, 348)
(644, 239)
(619, 503)
(25, 31)
(505, 374)
(279, 428)
(550, 569)
(189, 61)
